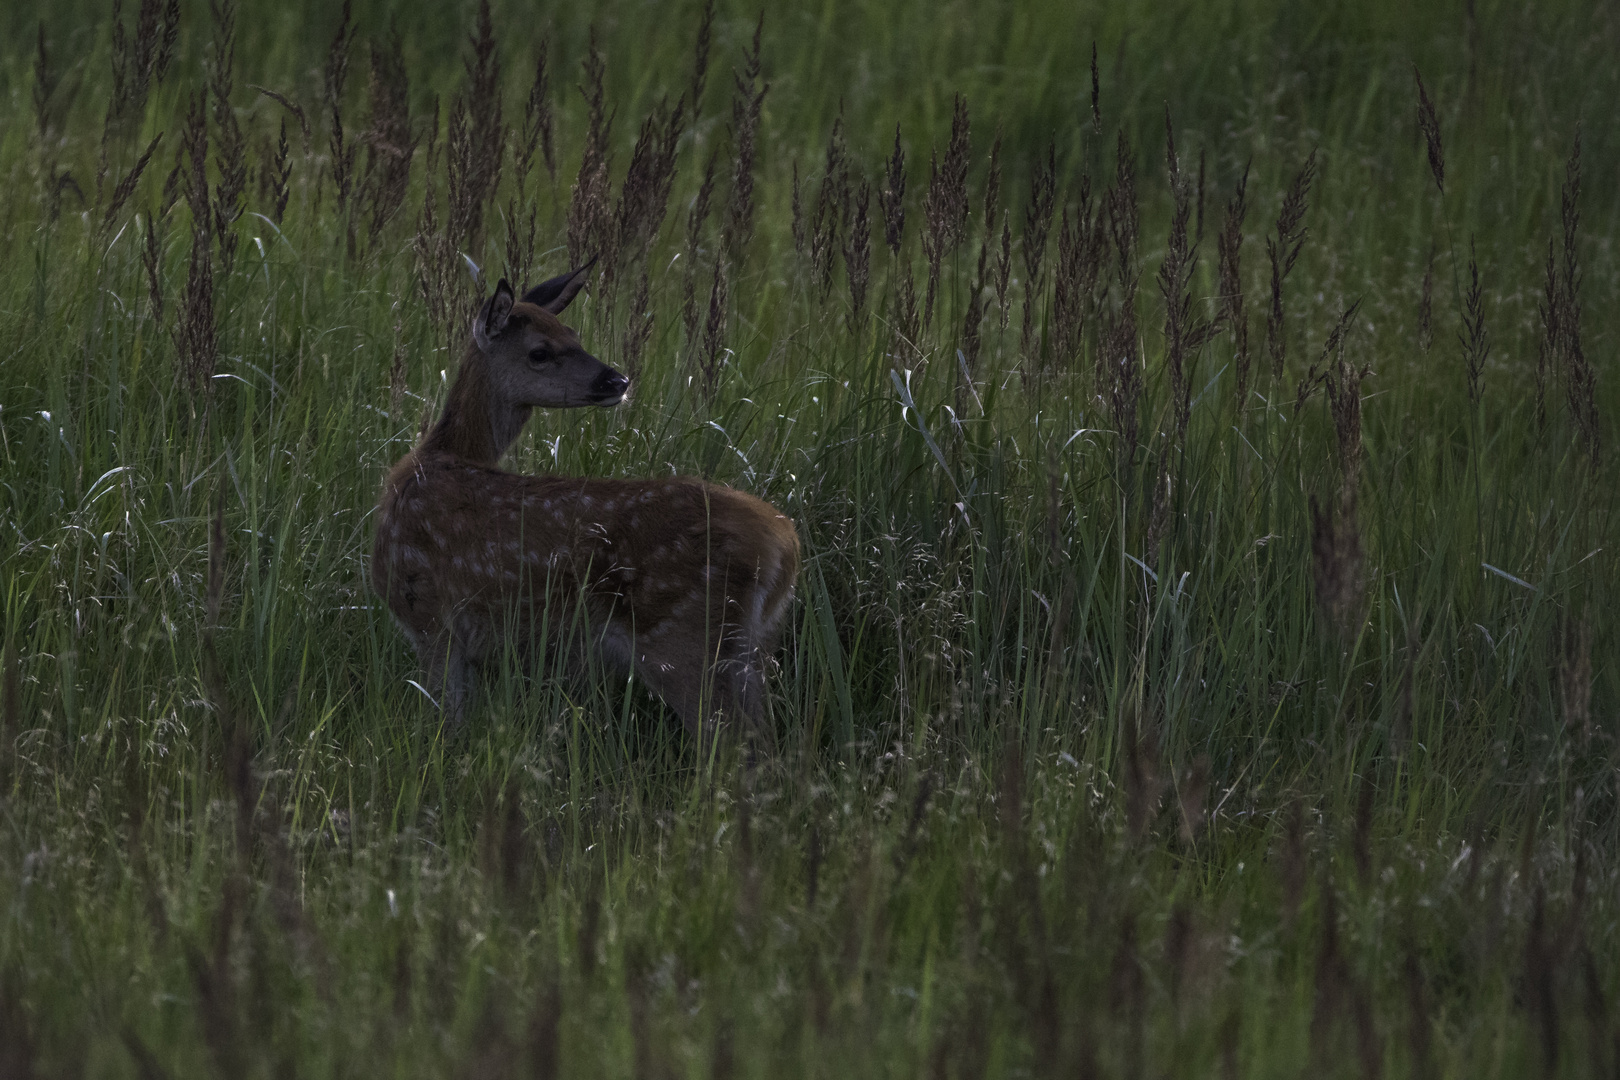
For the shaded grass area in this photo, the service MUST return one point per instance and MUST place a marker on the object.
(1196, 669)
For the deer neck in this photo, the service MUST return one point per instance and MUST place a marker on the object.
(476, 425)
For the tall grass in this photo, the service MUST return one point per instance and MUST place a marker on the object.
(1200, 456)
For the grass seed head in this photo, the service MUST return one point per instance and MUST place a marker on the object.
(1004, 270)
(230, 155)
(388, 138)
(588, 210)
(798, 214)
(1580, 377)
(745, 108)
(196, 335)
(640, 327)
(700, 57)
(1429, 125)
(126, 185)
(945, 204)
(1037, 225)
(1096, 94)
(858, 252)
(1282, 249)
(1549, 354)
(831, 207)
(1229, 259)
(893, 196)
(280, 177)
(1079, 252)
(1475, 341)
(537, 132)
(334, 78)
(714, 331)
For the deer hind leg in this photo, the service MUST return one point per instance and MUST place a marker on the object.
(679, 673)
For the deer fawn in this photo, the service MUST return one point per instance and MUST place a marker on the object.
(683, 582)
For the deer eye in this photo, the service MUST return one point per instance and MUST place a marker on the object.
(541, 355)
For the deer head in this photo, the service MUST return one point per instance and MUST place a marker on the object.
(521, 357)
(534, 361)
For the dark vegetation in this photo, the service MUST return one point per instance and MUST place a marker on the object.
(1199, 430)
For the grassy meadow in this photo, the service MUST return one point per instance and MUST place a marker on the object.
(1198, 420)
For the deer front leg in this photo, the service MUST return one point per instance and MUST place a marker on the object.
(448, 676)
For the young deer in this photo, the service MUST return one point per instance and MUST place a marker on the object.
(683, 582)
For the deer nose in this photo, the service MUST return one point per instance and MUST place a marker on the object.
(609, 387)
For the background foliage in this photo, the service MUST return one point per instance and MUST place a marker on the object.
(1201, 654)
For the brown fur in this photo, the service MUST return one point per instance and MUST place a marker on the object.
(683, 582)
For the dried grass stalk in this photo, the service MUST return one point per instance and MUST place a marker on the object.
(1475, 340)
(746, 102)
(1121, 352)
(1037, 225)
(1580, 377)
(714, 331)
(1233, 311)
(280, 177)
(640, 326)
(437, 274)
(1096, 94)
(1175, 275)
(1079, 255)
(695, 219)
(945, 206)
(1550, 309)
(588, 218)
(196, 337)
(334, 78)
(858, 253)
(798, 215)
(1004, 270)
(831, 207)
(1429, 125)
(476, 140)
(1283, 251)
(893, 197)
(974, 315)
(644, 194)
(905, 318)
(389, 141)
(140, 60)
(126, 186)
(152, 261)
(700, 58)
(538, 119)
(231, 147)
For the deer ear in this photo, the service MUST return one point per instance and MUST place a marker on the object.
(491, 319)
(555, 294)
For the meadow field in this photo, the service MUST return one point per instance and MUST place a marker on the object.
(1199, 423)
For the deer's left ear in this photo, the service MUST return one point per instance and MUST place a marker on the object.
(491, 319)
(556, 293)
